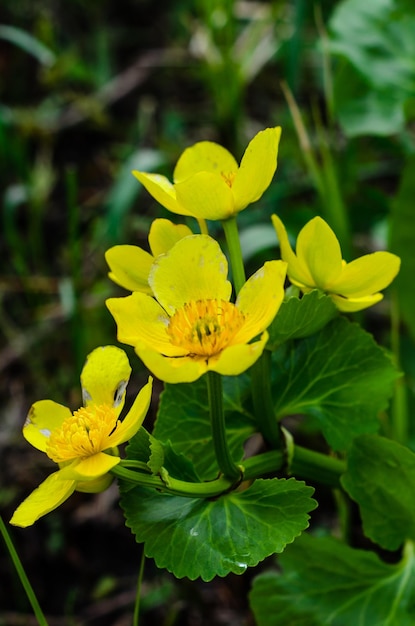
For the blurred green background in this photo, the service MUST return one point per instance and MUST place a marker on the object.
(90, 91)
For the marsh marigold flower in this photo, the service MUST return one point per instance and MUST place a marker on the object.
(83, 443)
(318, 264)
(191, 326)
(209, 184)
(130, 265)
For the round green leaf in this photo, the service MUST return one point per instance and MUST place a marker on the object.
(206, 538)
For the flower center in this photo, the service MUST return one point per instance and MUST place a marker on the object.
(228, 177)
(205, 327)
(82, 434)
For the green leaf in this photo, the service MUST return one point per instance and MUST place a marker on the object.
(156, 460)
(146, 448)
(183, 419)
(325, 582)
(301, 317)
(363, 110)
(381, 479)
(374, 40)
(206, 538)
(402, 243)
(340, 376)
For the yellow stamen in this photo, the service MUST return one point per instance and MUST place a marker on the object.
(205, 327)
(83, 434)
(228, 177)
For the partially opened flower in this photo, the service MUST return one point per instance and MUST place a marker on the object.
(83, 443)
(318, 264)
(191, 326)
(130, 265)
(209, 184)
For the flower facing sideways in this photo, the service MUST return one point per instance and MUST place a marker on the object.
(209, 184)
(130, 265)
(318, 264)
(83, 443)
(190, 326)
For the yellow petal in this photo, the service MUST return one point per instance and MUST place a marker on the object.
(260, 298)
(141, 318)
(194, 269)
(367, 275)
(234, 360)
(161, 189)
(130, 267)
(204, 156)
(44, 416)
(105, 376)
(319, 249)
(134, 418)
(171, 370)
(164, 234)
(95, 486)
(206, 196)
(350, 305)
(257, 168)
(48, 496)
(297, 270)
(89, 468)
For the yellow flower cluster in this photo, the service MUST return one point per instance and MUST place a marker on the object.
(181, 317)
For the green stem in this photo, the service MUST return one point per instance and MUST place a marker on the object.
(230, 228)
(174, 486)
(306, 464)
(136, 616)
(263, 403)
(217, 422)
(22, 575)
(400, 418)
(317, 467)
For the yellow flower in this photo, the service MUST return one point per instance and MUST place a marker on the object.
(130, 265)
(83, 443)
(318, 264)
(191, 326)
(209, 184)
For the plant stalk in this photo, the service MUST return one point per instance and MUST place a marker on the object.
(230, 228)
(22, 575)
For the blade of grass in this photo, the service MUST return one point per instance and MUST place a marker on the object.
(22, 575)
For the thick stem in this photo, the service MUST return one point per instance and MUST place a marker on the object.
(306, 464)
(174, 486)
(263, 403)
(217, 421)
(230, 228)
(318, 467)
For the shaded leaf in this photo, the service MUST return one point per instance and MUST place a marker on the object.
(325, 582)
(340, 376)
(381, 479)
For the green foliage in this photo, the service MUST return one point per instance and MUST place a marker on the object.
(340, 376)
(183, 420)
(326, 583)
(381, 479)
(206, 538)
(402, 239)
(301, 317)
(376, 76)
